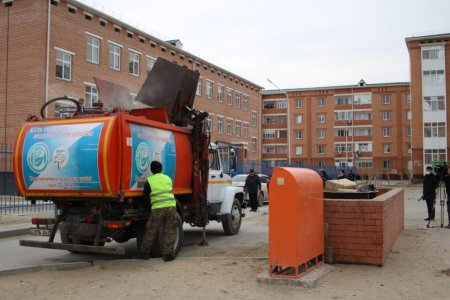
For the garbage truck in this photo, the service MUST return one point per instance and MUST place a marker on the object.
(92, 163)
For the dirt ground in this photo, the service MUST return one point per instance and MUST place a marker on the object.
(418, 267)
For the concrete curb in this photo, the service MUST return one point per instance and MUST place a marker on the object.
(52, 267)
(14, 232)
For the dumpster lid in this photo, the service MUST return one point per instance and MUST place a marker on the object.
(172, 86)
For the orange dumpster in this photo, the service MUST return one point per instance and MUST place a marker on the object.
(296, 220)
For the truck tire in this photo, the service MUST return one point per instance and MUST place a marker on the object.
(157, 244)
(232, 223)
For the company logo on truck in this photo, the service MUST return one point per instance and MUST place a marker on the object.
(143, 154)
(38, 157)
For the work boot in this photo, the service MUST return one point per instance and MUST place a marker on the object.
(168, 257)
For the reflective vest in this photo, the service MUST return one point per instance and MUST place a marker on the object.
(161, 195)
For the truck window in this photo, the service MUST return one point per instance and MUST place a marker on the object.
(214, 163)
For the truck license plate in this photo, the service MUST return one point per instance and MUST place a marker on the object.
(40, 231)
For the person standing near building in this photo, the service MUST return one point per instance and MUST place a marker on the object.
(158, 192)
(252, 186)
(446, 180)
(341, 174)
(430, 183)
(351, 175)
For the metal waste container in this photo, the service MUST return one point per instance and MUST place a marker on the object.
(296, 222)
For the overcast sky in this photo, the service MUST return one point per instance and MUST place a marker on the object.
(294, 43)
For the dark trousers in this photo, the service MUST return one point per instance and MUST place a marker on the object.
(430, 208)
(253, 200)
(162, 216)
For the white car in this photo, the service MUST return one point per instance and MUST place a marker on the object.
(263, 196)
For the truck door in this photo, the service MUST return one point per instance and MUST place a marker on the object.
(217, 179)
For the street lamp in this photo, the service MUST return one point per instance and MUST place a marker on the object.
(288, 120)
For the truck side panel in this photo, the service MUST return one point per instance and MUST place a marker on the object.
(68, 157)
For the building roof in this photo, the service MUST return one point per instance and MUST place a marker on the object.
(428, 37)
(157, 40)
(356, 86)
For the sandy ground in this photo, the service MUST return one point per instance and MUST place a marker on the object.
(418, 267)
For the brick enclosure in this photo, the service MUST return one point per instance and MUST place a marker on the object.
(28, 79)
(363, 231)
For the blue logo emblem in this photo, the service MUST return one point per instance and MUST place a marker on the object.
(38, 157)
(142, 158)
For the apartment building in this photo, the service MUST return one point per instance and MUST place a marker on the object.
(367, 126)
(56, 47)
(429, 66)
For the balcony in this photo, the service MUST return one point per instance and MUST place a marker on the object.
(274, 156)
(274, 141)
(270, 111)
(274, 126)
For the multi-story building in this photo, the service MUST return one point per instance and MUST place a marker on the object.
(367, 126)
(430, 87)
(56, 47)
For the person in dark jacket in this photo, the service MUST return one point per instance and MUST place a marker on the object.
(351, 175)
(324, 175)
(430, 183)
(446, 180)
(341, 174)
(252, 186)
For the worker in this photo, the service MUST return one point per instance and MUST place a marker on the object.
(252, 186)
(158, 192)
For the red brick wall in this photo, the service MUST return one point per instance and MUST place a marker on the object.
(364, 231)
(27, 44)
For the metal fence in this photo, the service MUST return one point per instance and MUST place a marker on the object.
(10, 202)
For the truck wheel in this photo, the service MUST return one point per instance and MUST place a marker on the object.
(157, 244)
(232, 223)
(260, 199)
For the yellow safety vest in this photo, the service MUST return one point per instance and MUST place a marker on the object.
(161, 195)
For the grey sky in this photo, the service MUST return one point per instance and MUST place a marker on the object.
(294, 43)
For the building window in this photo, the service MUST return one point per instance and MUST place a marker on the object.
(63, 65)
(298, 134)
(409, 131)
(254, 115)
(245, 102)
(93, 49)
(282, 104)
(386, 132)
(433, 52)
(298, 103)
(114, 56)
(238, 100)
(362, 115)
(320, 149)
(150, 63)
(345, 116)
(435, 129)
(209, 89)
(363, 99)
(254, 141)
(269, 150)
(245, 130)
(220, 124)
(268, 134)
(320, 102)
(408, 115)
(433, 77)
(387, 148)
(133, 65)
(320, 134)
(432, 155)
(238, 128)
(298, 150)
(434, 103)
(343, 100)
(209, 123)
(298, 119)
(386, 99)
(229, 126)
(386, 115)
(364, 131)
(91, 94)
(229, 96)
(199, 87)
(219, 93)
(321, 118)
(387, 164)
(364, 164)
